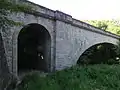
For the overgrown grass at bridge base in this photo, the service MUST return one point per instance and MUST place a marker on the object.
(92, 77)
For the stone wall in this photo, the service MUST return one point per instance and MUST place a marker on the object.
(4, 71)
(72, 41)
(69, 37)
(10, 37)
(3, 61)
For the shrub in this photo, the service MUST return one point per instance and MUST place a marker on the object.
(91, 77)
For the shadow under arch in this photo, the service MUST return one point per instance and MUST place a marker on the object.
(34, 48)
(98, 53)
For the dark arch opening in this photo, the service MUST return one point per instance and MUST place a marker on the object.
(99, 53)
(34, 48)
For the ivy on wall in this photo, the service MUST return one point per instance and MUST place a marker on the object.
(11, 6)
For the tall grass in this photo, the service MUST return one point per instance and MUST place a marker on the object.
(95, 77)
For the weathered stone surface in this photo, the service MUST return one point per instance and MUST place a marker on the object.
(72, 41)
(69, 37)
(4, 70)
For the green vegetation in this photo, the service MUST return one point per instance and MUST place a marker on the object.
(107, 25)
(95, 77)
(101, 53)
(82, 77)
(7, 7)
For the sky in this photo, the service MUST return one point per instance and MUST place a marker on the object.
(85, 9)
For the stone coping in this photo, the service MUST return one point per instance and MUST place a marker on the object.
(58, 15)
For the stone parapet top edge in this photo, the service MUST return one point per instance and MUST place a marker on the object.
(61, 16)
(37, 5)
(93, 28)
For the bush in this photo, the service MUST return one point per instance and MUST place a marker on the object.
(103, 53)
(112, 61)
(95, 77)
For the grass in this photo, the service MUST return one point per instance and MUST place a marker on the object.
(92, 77)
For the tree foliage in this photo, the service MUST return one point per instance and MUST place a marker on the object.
(102, 53)
(112, 26)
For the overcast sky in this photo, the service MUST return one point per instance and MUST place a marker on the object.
(84, 9)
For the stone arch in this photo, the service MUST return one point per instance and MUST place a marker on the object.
(95, 45)
(37, 33)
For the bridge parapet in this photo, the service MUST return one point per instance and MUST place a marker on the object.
(93, 28)
(63, 17)
(58, 15)
(39, 10)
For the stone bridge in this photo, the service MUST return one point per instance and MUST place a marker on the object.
(60, 38)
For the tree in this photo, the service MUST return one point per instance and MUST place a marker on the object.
(112, 26)
(100, 24)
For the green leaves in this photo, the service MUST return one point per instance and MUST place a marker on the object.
(92, 77)
(10, 6)
(107, 25)
(100, 24)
